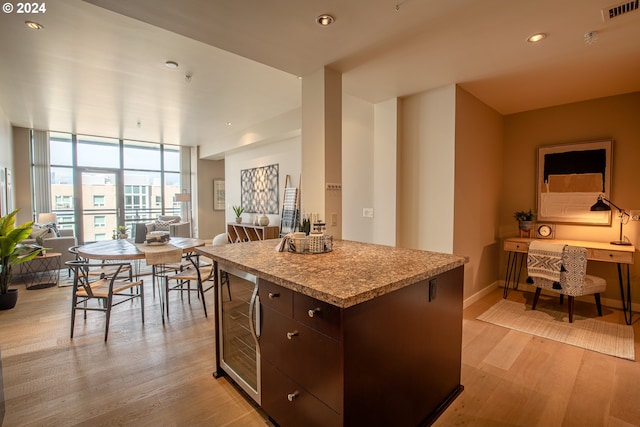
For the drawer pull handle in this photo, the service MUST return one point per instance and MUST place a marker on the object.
(290, 335)
(293, 395)
(313, 312)
(611, 255)
(273, 295)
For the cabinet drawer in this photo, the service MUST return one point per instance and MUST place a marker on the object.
(276, 297)
(610, 256)
(516, 246)
(310, 358)
(290, 404)
(321, 316)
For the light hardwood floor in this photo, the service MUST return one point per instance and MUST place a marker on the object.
(161, 375)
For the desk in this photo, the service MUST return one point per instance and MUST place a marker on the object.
(623, 256)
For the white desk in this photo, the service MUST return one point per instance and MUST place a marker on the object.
(623, 256)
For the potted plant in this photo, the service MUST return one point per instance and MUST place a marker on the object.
(238, 211)
(13, 252)
(122, 232)
(525, 219)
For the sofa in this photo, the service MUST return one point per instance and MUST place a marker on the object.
(172, 224)
(53, 243)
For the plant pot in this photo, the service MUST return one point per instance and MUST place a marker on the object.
(8, 300)
(239, 219)
(525, 225)
(123, 236)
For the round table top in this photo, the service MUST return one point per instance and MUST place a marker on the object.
(123, 249)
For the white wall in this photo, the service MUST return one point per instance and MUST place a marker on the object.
(357, 168)
(369, 154)
(6, 142)
(286, 153)
(385, 163)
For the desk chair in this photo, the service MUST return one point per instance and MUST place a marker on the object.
(574, 281)
(105, 290)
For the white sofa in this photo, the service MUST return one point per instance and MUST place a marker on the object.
(55, 244)
(176, 227)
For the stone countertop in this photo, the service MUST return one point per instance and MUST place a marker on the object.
(352, 273)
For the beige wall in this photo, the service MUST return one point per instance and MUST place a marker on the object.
(426, 162)
(478, 179)
(612, 117)
(210, 222)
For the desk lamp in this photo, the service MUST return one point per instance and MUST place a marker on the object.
(600, 205)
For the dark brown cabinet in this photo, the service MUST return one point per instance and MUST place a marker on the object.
(392, 360)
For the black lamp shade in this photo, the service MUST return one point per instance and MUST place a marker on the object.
(600, 206)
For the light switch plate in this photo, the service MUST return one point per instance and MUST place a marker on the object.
(367, 212)
(635, 215)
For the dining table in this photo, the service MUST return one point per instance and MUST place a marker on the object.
(124, 250)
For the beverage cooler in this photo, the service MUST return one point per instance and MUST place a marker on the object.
(239, 328)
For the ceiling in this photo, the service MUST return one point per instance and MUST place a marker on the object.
(98, 66)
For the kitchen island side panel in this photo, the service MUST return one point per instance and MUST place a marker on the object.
(402, 353)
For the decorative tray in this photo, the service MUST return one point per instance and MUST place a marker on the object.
(311, 244)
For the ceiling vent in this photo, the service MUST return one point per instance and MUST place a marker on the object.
(620, 9)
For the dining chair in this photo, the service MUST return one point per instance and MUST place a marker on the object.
(107, 267)
(162, 262)
(198, 272)
(574, 280)
(106, 291)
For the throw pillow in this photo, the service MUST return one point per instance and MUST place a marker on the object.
(163, 225)
(38, 231)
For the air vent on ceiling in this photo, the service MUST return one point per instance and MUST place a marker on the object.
(620, 9)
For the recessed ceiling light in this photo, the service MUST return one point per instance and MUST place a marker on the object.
(34, 25)
(325, 20)
(171, 64)
(534, 38)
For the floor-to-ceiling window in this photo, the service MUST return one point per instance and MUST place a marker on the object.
(98, 184)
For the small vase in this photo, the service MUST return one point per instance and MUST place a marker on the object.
(8, 300)
(264, 220)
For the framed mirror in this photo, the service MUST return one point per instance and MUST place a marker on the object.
(570, 178)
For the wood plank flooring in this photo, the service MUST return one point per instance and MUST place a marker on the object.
(515, 379)
(159, 375)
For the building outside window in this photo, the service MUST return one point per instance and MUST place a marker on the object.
(98, 201)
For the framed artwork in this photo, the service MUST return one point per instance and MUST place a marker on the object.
(570, 179)
(3, 192)
(218, 195)
(259, 189)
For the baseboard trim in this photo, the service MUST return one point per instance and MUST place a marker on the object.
(480, 294)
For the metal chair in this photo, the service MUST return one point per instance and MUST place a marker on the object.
(105, 290)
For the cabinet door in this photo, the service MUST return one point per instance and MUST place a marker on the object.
(308, 357)
(291, 405)
(409, 342)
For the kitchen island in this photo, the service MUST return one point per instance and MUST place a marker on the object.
(363, 335)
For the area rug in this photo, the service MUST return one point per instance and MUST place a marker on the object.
(591, 334)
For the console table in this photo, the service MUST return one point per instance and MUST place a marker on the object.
(623, 256)
(248, 232)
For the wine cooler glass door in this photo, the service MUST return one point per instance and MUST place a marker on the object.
(240, 328)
